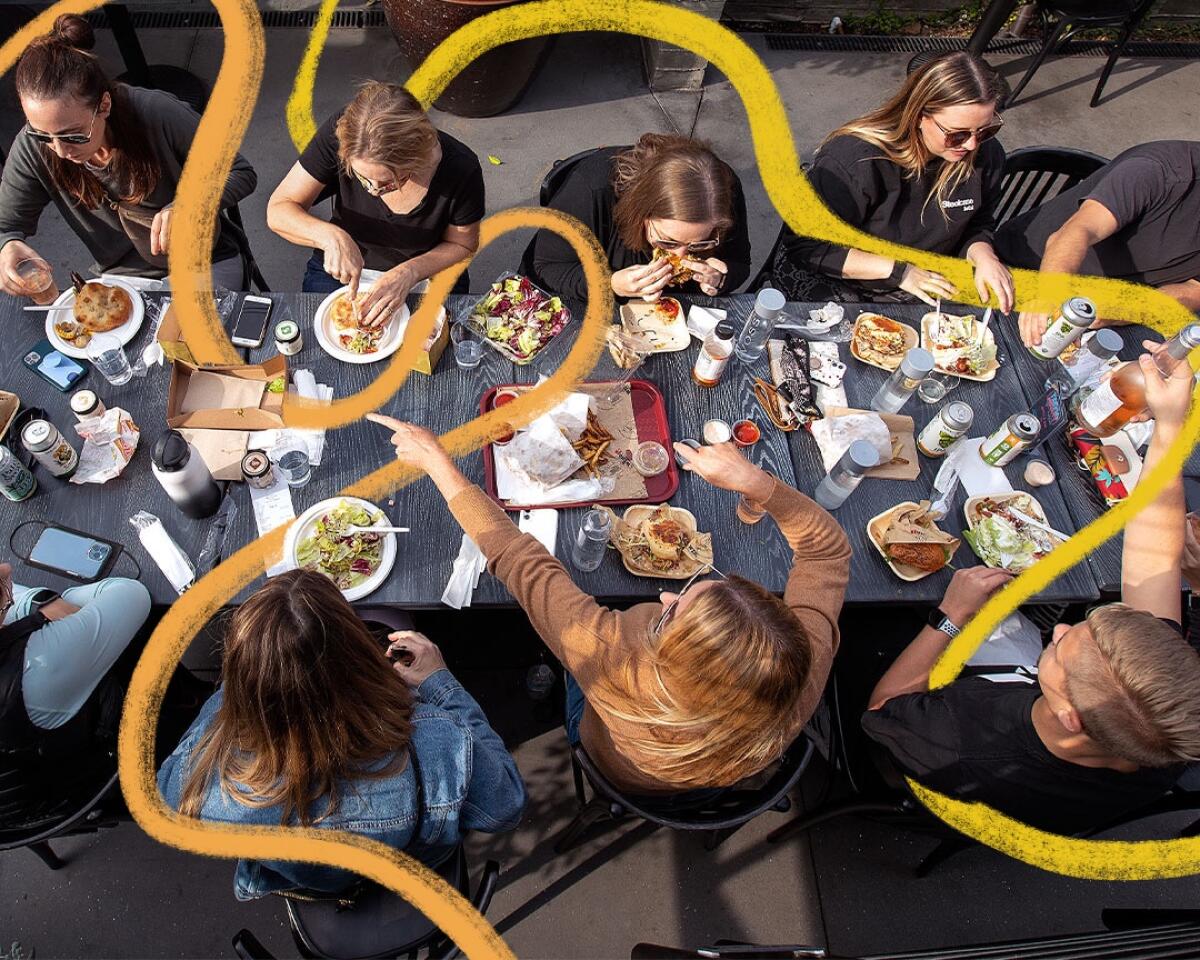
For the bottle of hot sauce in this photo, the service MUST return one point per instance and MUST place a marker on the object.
(714, 355)
(1122, 397)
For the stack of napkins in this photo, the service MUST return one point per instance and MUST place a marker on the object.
(464, 575)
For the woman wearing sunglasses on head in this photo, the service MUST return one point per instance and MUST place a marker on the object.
(407, 199)
(922, 170)
(667, 193)
(702, 689)
(108, 156)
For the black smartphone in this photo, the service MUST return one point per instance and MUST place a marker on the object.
(57, 369)
(251, 327)
(73, 553)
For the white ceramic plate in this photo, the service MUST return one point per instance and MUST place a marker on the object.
(126, 332)
(307, 521)
(327, 335)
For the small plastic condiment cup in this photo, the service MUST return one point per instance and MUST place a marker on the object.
(716, 431)
(504, 396)
(746, 433)
(650, 458)
(502, 433)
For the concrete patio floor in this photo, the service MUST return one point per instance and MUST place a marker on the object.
(849, 887)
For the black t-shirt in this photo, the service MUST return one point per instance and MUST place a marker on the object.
(385, 239)
(858, 183)
(974, 739)
(587, 193)
(1153, 191)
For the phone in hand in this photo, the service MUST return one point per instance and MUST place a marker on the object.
(251, 327)
(73, 553)
(57, 369)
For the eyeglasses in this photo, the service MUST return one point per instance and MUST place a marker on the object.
(73, 138)
(669, 611)
(956, 138)
(378, 190)
(699, 246)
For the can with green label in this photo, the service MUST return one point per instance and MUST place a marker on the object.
(1073, 319)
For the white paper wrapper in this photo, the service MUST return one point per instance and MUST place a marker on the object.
(165, 552)
(109, 442)
(835, 434)
(540, 457)
(464, 575)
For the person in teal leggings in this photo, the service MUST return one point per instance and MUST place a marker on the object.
(90, 627)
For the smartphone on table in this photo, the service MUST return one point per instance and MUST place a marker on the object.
(251, 327)
(57, 369)
(72, 553)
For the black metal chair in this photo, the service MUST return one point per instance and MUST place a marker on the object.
(1033, 175)
(231, 223)
(1142, 934)
(376, 923)
(85, 815)
(1070, 17)
(718, 814)
(558, 173)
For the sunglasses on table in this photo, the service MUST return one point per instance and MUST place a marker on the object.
(956, 138)
(73, 138)
(669, 610)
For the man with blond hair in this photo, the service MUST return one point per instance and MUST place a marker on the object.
(1114, 714)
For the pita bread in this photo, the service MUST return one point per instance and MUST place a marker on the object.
(100, 308)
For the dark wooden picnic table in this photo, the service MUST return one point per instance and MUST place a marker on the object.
(1075, 484)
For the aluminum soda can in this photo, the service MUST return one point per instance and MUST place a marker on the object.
(1013, 436)
(1073, 319)
(950, 423)
(50, 448)
(16, 482)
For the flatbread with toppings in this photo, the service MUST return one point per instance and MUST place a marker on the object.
(661, 541)
(100, 308)
(681, 274)
(881, 341)
(350, 332)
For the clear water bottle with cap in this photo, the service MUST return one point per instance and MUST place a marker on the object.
(591, 540)
(1086, 364)
(845, 476)
(183, 474)
(915, 367)
(759, 326)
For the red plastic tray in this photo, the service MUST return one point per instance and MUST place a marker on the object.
(650, 421)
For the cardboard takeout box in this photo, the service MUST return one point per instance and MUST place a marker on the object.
(10, 403)
(267, 415)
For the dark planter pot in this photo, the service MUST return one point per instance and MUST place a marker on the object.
(492, 83)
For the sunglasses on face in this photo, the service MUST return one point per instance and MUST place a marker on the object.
(72, 138)
(956, 138)
(699, 246)
(669, 610)
(375, 189)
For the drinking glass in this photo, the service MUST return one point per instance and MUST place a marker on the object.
(933, 388)
(108, 356)
(293, 464)
(468, 351)
(624, 357)
(37, 280)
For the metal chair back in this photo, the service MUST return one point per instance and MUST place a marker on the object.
(1033, 175)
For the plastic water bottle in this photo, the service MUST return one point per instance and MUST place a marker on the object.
(587, 552)
(845, 476)
(915, 367)
(1066, 378)
(761, 323)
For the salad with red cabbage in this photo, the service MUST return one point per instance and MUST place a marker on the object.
(332, 549)
(518, 319)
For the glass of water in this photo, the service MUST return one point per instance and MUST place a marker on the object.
(933, 388)
(292, 458)
(468, 351)
(108, 356)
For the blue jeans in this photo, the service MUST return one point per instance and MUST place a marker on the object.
(67, 658)
(575, 704)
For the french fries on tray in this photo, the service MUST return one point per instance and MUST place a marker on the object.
(593, 444)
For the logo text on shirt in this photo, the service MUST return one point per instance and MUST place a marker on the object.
(967, 204)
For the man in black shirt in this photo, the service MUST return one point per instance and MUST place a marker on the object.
(1137, 219)
(1115, 712)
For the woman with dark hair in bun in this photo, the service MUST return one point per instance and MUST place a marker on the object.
(108, 156)
(668, 212)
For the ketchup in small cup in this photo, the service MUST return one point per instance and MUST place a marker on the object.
(503, 397)
(746, 433)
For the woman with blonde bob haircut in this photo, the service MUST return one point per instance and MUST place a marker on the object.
(407, 200)
(665, 195)
(313, 726)
(707, 686)
(922, 170)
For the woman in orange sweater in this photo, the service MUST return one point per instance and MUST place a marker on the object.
(702, 689)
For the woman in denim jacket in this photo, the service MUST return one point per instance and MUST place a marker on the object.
(313, 727)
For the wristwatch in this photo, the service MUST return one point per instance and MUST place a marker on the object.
(897, 273)
(939, 621)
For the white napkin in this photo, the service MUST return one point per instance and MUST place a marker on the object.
(701, 321)
(172, 561)
(834, 435)
(464, 575)
(145, 284)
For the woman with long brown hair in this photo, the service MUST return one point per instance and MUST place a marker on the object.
(922, 170)
(666, 193)
(108, 156)
(707, 686)
(313, 726)
(407, 199)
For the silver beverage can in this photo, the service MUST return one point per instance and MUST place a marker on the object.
(950, 423)
(1073, 319)
(1010, 439)
(50, 448)
(16, 482)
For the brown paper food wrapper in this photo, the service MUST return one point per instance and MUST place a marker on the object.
(915, 525)
(628, 537)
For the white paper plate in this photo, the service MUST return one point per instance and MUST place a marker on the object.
(327, 336)
(126, 332)
(304, 526)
